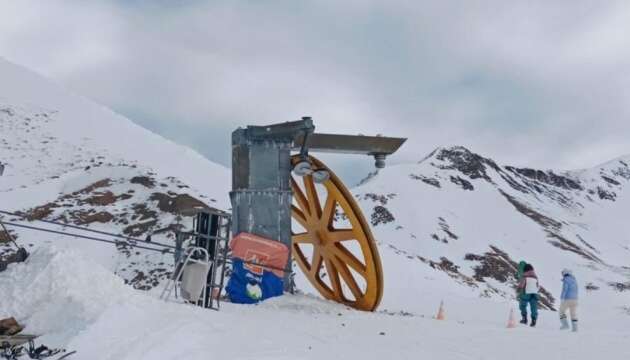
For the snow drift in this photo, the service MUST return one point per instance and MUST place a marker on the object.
(59, 292)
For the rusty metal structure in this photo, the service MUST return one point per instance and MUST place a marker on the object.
(298, 200)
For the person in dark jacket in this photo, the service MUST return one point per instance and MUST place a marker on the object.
(568, 300)
(529, 288)
(519, 277)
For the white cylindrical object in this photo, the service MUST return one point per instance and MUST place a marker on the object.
(193, 280)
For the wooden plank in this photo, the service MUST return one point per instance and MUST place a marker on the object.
(14, 340)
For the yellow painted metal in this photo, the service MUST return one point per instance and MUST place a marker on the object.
(335, 267)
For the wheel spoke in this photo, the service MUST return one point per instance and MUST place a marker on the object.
(347, 210)
(315, 208)
(299, 197)
(303, 238)
(334, 277)
(328, 213)
(299, 216)
(300, 258)
(348, 258)
(316, 261)
(341, 235)
(348, 278)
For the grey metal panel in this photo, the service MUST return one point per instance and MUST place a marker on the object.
(264, 165)
(285, 167)
(240, 159)
(350, 144)
(261, 163)
(264, 213)
(240, 167)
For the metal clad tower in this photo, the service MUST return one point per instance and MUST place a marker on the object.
(261, 169)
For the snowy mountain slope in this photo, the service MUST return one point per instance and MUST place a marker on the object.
(450, 227)
(47, 131)
(463, 219)
(71, 160)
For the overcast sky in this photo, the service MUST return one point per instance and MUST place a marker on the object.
(543, 84)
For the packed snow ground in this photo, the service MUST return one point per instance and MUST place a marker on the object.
(75, 304)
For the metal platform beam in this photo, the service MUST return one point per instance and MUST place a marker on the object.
(350, 144)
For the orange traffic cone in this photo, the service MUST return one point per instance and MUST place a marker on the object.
(440, 314)
(511, 321)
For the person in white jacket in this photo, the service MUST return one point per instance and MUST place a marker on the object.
(529, 287)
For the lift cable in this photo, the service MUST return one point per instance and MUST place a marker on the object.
(126, 238)
(131, 244)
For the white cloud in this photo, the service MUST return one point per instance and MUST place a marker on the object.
(536, 83)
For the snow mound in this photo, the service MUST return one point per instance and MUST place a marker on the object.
(304, 304)
(58, 292)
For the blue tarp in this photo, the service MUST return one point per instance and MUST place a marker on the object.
(246, 287)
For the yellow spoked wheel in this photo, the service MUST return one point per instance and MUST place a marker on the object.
(332, 242)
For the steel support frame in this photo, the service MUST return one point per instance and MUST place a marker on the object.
(214, 240)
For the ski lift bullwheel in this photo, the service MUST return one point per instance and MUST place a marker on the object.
(343, 262)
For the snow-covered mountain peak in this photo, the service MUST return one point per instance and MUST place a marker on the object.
(461, 159)
(464, 214)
